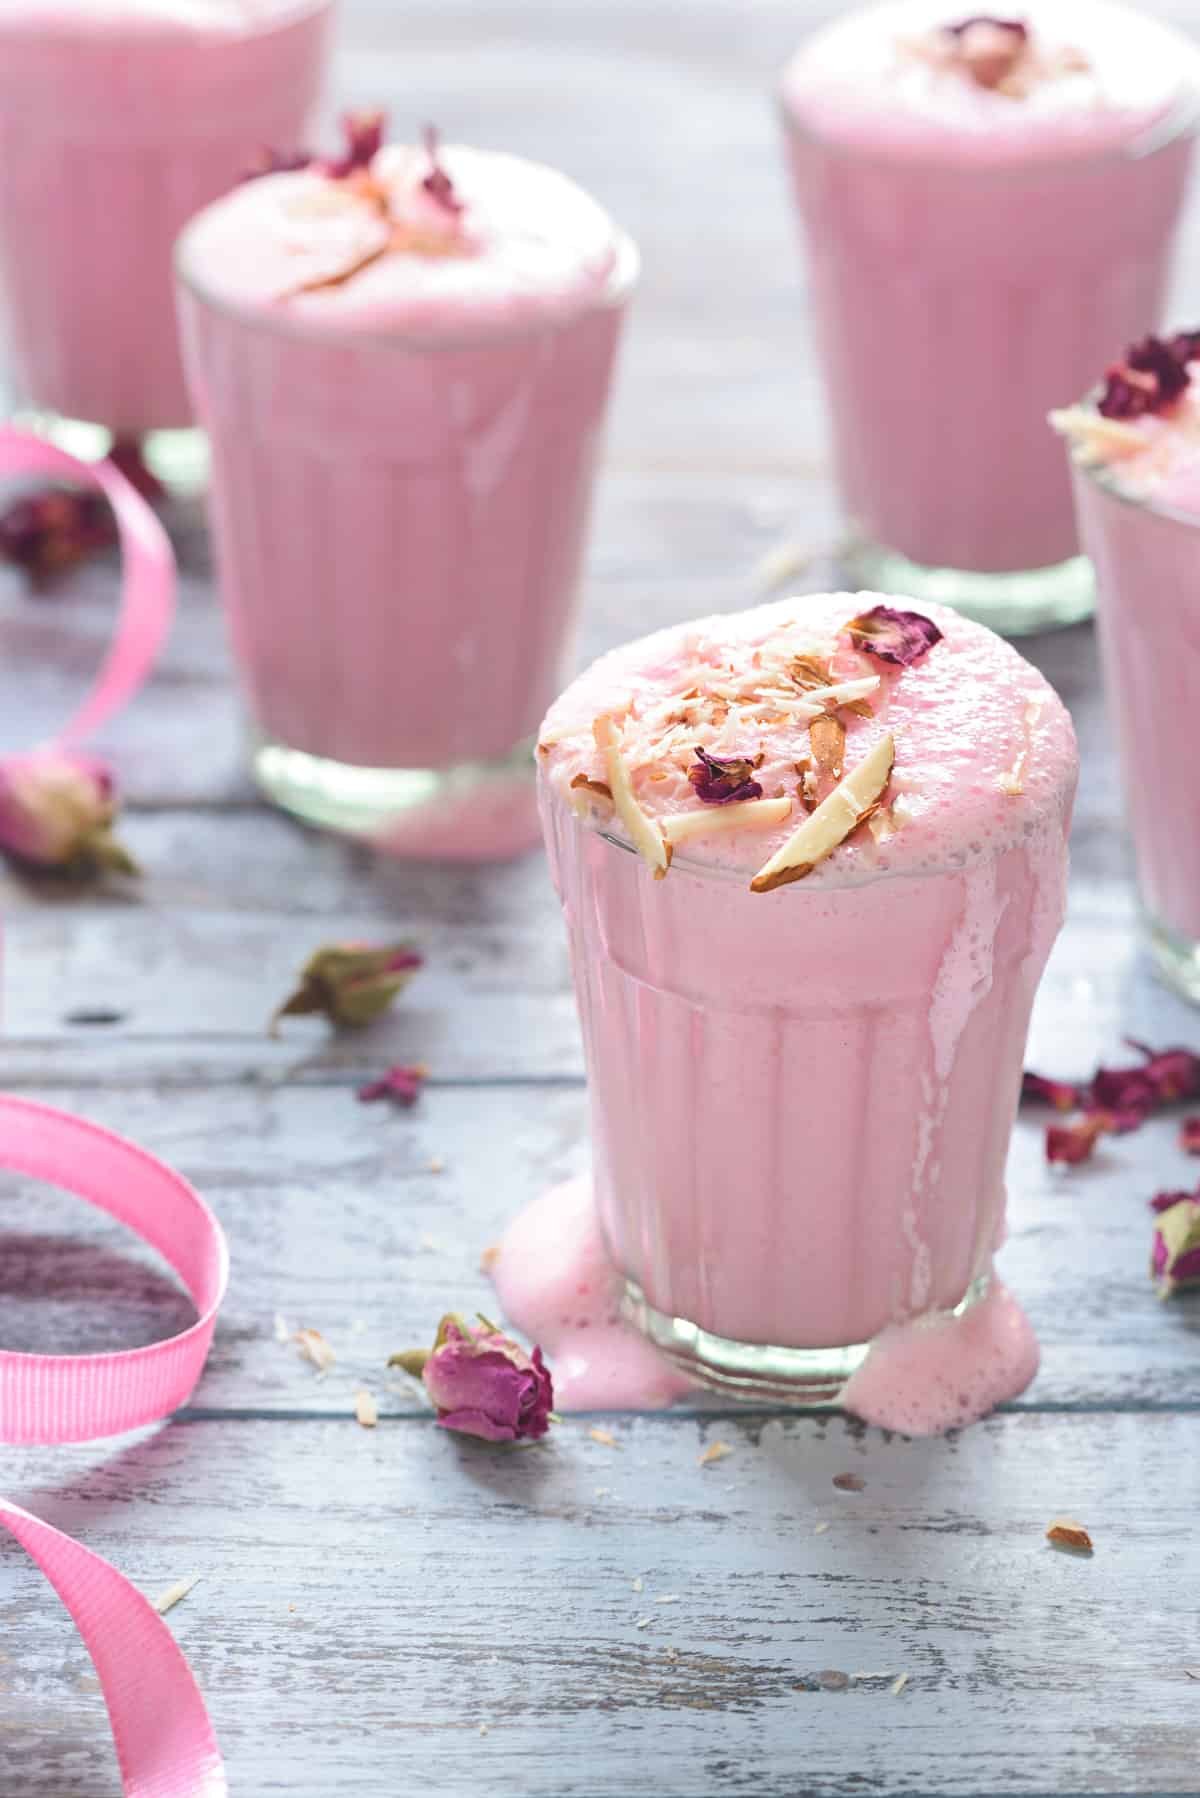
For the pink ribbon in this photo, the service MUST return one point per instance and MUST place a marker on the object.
(164, 1740)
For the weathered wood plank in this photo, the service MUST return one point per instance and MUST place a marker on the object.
(368, 1225)
(442, 1618)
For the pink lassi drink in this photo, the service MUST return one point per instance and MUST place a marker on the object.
(403, 359)
(118, 120)
(988, 204)
(1135, 461)
(812, 859)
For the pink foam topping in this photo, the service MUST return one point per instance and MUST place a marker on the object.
(984, 755)
(379, 252)
(1091, 75)
(1153, 457)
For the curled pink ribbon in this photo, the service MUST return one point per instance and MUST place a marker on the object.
(164, 1740)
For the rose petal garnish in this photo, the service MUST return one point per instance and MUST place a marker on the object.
(988, 49)
(400, 1084)
(1059, 1093)
(1072, 1143)
(828, 738)
(1189, 1135)
(846, 807)
(746, 814)
(1149, 380)
(57, 809)
(644, 834)
(1175, 1253)
(350, 983)
(482, 1383)
(898, 637)
(1163, 1078)
(719, 780)
(437, 183)
(52, 529)
(363, 132)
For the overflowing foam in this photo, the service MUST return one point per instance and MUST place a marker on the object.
(1105, 76)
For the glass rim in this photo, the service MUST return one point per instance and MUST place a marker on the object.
(619, 285)
(1180, 119)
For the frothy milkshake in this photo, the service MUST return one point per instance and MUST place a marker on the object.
(988, 205)
(403, 360)
(811, 859)
(1135, 458)
(118, 120)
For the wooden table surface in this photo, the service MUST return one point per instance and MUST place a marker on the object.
(396, 1611)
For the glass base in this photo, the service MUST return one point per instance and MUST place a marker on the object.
(754, 1369)
(1176, 957)
(472, 811)
(178, 458)
(1015, 605)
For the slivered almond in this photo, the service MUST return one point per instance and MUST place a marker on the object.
(845, 808)
(645, 835)
(743, 814)
(1064, 1532)
(827, 735)
(1094, 438)
(842, 692)
(365, 1409)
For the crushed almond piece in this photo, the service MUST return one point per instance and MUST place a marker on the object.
(740, 814)
(849, 1482)
(827, 735)
(605, 1438)
(283, 1331)
(600, 788)
(716, 1451)
(809, 671)
(848, 806)
(314, 1348)
(898, 1684)
(669, 1598)
(645, 835)
(1095, 439)
(489, 1258)
(820, 1528)
(166, 1601)
(366, 1410)
(643, 1623)
(1064, 1532)
(882, 823)
(638, 1583)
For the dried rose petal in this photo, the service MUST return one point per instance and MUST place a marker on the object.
(1189, 1135)
(57, 809)
(1073, 1143)
(1150, 379)
(1163, 1201)
(351, 983)
(1163, 1078)
(437, 183)
(1058, 1093)
(988, 49)
(482, 1383)
(401, 1084)
(278, 162)
(718, 780)
(898, 637)
(363, 132)
(52, 529)
(1175, 1254)
(1185, 346)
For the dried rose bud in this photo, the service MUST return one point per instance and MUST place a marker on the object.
(1175, 1255)
(1151, 379)
(899, 637)
(363, 132)
(437, 183)
(719, 780)
(1189, 1135)
(351, 983)
(402, 1085)
(52, 529)
(1073, 1143)
(278, 162)
(1058, 1093)
(56, 811)
(482, 1383)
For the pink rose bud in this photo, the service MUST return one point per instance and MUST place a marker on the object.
(482, 1383)
(56, 811)
(1175, 1255)
(351, 983)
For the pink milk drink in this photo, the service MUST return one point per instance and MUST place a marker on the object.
(988, 206)
(118, 120)
(1135, 459)
(811, 859)
(403, 360)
